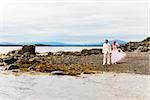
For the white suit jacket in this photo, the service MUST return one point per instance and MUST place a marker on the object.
(106, 48)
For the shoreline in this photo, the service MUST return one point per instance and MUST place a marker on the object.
(75, 63)
(126, 65)
(34, 73)
(120, 86)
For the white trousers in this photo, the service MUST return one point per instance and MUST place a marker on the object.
(106, 58)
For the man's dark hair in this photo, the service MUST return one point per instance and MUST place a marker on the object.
(106, 41)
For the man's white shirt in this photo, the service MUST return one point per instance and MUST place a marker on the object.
(106, 48)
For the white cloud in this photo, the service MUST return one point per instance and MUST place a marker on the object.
(69, 19)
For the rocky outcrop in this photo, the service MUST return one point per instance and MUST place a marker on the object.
(84, 52)
(12, 67)
(64, 63)
(143, 46)
(91, 51)
(10, 60)
(28, 48)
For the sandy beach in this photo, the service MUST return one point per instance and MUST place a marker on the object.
(106, 86)
(128, 80)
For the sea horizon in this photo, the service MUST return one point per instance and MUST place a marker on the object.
(43, 49)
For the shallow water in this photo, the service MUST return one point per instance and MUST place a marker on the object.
(5, 49)
(106, 86)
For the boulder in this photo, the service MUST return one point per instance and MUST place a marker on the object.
(96, 51)
(1, 64)
(77, 53)
(12, 67)
(11, 52)
(67, 53)
(91, 51)
(28, 48)
(123, 48)
(144, 49)
(10, 60)
(50, 53)
(86, 52)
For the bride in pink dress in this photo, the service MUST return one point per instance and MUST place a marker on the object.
(117, 53)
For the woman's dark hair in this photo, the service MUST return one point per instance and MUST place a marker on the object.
(114, 42)
(106, 41)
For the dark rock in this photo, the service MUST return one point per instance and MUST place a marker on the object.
(86, 52)
(77, 53)
(91, 51)
(1, 64)
(50, 53)
(123, 48)
(16, 70)
(11, 52)
(67, 53)
(28, 48)
(136, 46)
(131, 46)
(96, 51)
(145, 49)
(10, 60)
(12, 67)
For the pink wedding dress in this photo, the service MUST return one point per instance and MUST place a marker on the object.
(117, 54)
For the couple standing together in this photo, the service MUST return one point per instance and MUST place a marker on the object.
(112, 54)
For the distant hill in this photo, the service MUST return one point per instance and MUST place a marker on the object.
(7, 43)
(56, 43)
(120, 42)
(42, 43)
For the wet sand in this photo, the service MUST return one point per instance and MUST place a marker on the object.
(106, 86)
(128, 80)
(134, 62)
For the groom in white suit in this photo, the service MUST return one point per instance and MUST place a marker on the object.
(106, 51)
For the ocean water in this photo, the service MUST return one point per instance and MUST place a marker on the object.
(5, 49)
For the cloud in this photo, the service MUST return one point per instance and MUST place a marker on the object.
(70, 21)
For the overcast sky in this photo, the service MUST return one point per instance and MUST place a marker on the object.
(75, 21)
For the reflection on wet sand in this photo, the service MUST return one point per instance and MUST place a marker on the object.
(106, 86)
